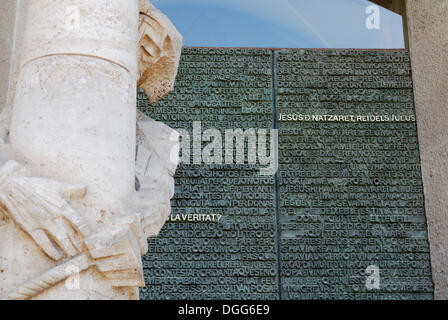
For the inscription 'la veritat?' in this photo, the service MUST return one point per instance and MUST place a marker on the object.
(344, 216)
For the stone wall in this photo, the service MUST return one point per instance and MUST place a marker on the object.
(428, 37)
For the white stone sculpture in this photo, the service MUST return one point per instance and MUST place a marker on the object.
(84, 179)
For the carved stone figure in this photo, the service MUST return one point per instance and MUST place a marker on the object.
(84, 178)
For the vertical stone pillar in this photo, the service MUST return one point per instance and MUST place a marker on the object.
(428, 38)
(74, 116)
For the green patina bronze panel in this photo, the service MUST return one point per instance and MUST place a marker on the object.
(344, 216)
(351, 206)
(220, 242)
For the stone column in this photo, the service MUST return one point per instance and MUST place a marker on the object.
(74, 114)
(428, 40)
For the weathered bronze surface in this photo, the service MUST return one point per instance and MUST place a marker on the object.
(234, 258)
(346, 202)
(350, 187)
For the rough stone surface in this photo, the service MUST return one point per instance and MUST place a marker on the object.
(158, 56)
(428, 37)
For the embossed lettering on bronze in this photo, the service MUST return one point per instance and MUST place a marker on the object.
(351, 207)
(220, 242)
(348, 194)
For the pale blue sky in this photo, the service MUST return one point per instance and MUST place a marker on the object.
(281, 23)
